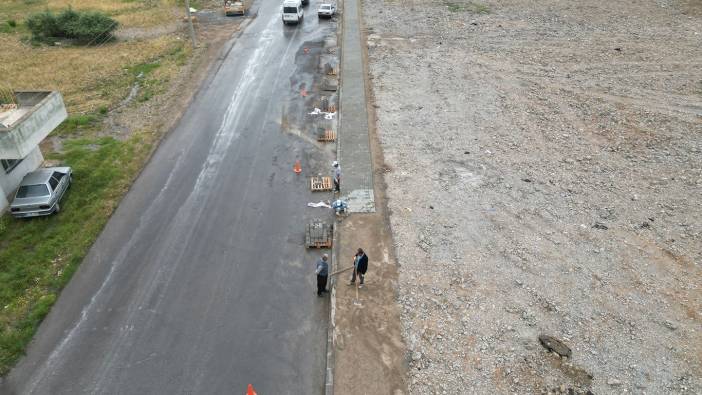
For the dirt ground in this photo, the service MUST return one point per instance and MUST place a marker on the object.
(369, 351)
(544, 173)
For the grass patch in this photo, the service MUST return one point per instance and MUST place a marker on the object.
(8, 26)
(148, 86)
(137, 13)
(197, 4)
(87, 77)
(143, 69)
(472, 7)
(75, 124)
(39, 255)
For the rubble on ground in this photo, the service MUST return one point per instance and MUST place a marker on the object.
(543, 162)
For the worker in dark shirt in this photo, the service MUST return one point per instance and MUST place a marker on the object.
(360, 266)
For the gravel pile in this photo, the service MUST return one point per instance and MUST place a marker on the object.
(543, 162)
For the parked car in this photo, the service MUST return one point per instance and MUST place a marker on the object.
(40, 192)
(235, 7)
(326, 10)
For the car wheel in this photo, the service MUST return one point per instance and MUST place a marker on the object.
(57, 209)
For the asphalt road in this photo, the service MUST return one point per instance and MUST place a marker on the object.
(200, 283)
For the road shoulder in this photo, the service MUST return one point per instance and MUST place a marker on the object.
(368, 349)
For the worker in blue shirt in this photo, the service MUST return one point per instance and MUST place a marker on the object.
(322, 274)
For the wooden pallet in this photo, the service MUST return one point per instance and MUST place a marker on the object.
(319, 235)
(318, 184)
(327, 136)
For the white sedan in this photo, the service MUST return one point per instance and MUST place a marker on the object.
(326, 10)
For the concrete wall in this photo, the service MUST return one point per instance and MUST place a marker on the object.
(25, 135)
(10, 182)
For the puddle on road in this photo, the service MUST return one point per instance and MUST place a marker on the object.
(305, 95)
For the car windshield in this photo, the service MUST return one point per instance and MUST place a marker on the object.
(324, 7)
(30, 191)
(290, 10)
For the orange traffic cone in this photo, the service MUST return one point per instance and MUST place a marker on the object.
(298, 167)
(250, 390)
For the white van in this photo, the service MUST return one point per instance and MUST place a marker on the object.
(292, 11)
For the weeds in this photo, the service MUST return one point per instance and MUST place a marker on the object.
(193, 3)
(143, 69)
(8, 27)
(472, 7)
(77, 124)
(7, 96)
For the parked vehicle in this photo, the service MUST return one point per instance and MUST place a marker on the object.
(326, 10)
(235, 7)
(40, 192)
(292, 11)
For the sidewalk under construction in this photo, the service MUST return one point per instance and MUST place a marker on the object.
(353, 147)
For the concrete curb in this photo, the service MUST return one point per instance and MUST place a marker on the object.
(329, 372)
(329, 375)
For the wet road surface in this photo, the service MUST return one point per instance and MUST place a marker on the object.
(200, 283)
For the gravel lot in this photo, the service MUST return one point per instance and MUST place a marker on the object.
(543, 162)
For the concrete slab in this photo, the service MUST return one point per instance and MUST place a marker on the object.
(38, 114)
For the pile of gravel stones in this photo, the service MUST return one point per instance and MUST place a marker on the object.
(543, 164)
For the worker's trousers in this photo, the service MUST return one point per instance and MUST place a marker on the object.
(321, 284)
(360, 277)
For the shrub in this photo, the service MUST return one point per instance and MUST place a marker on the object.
(86, 27)
(12, 23)
(43, 25)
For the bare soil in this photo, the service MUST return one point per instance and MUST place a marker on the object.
(544, 167)
(369, 351)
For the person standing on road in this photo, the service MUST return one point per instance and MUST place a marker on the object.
(337, 176)
(360, 266)
(322, 274)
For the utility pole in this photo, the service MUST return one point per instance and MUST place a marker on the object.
(190, 23)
